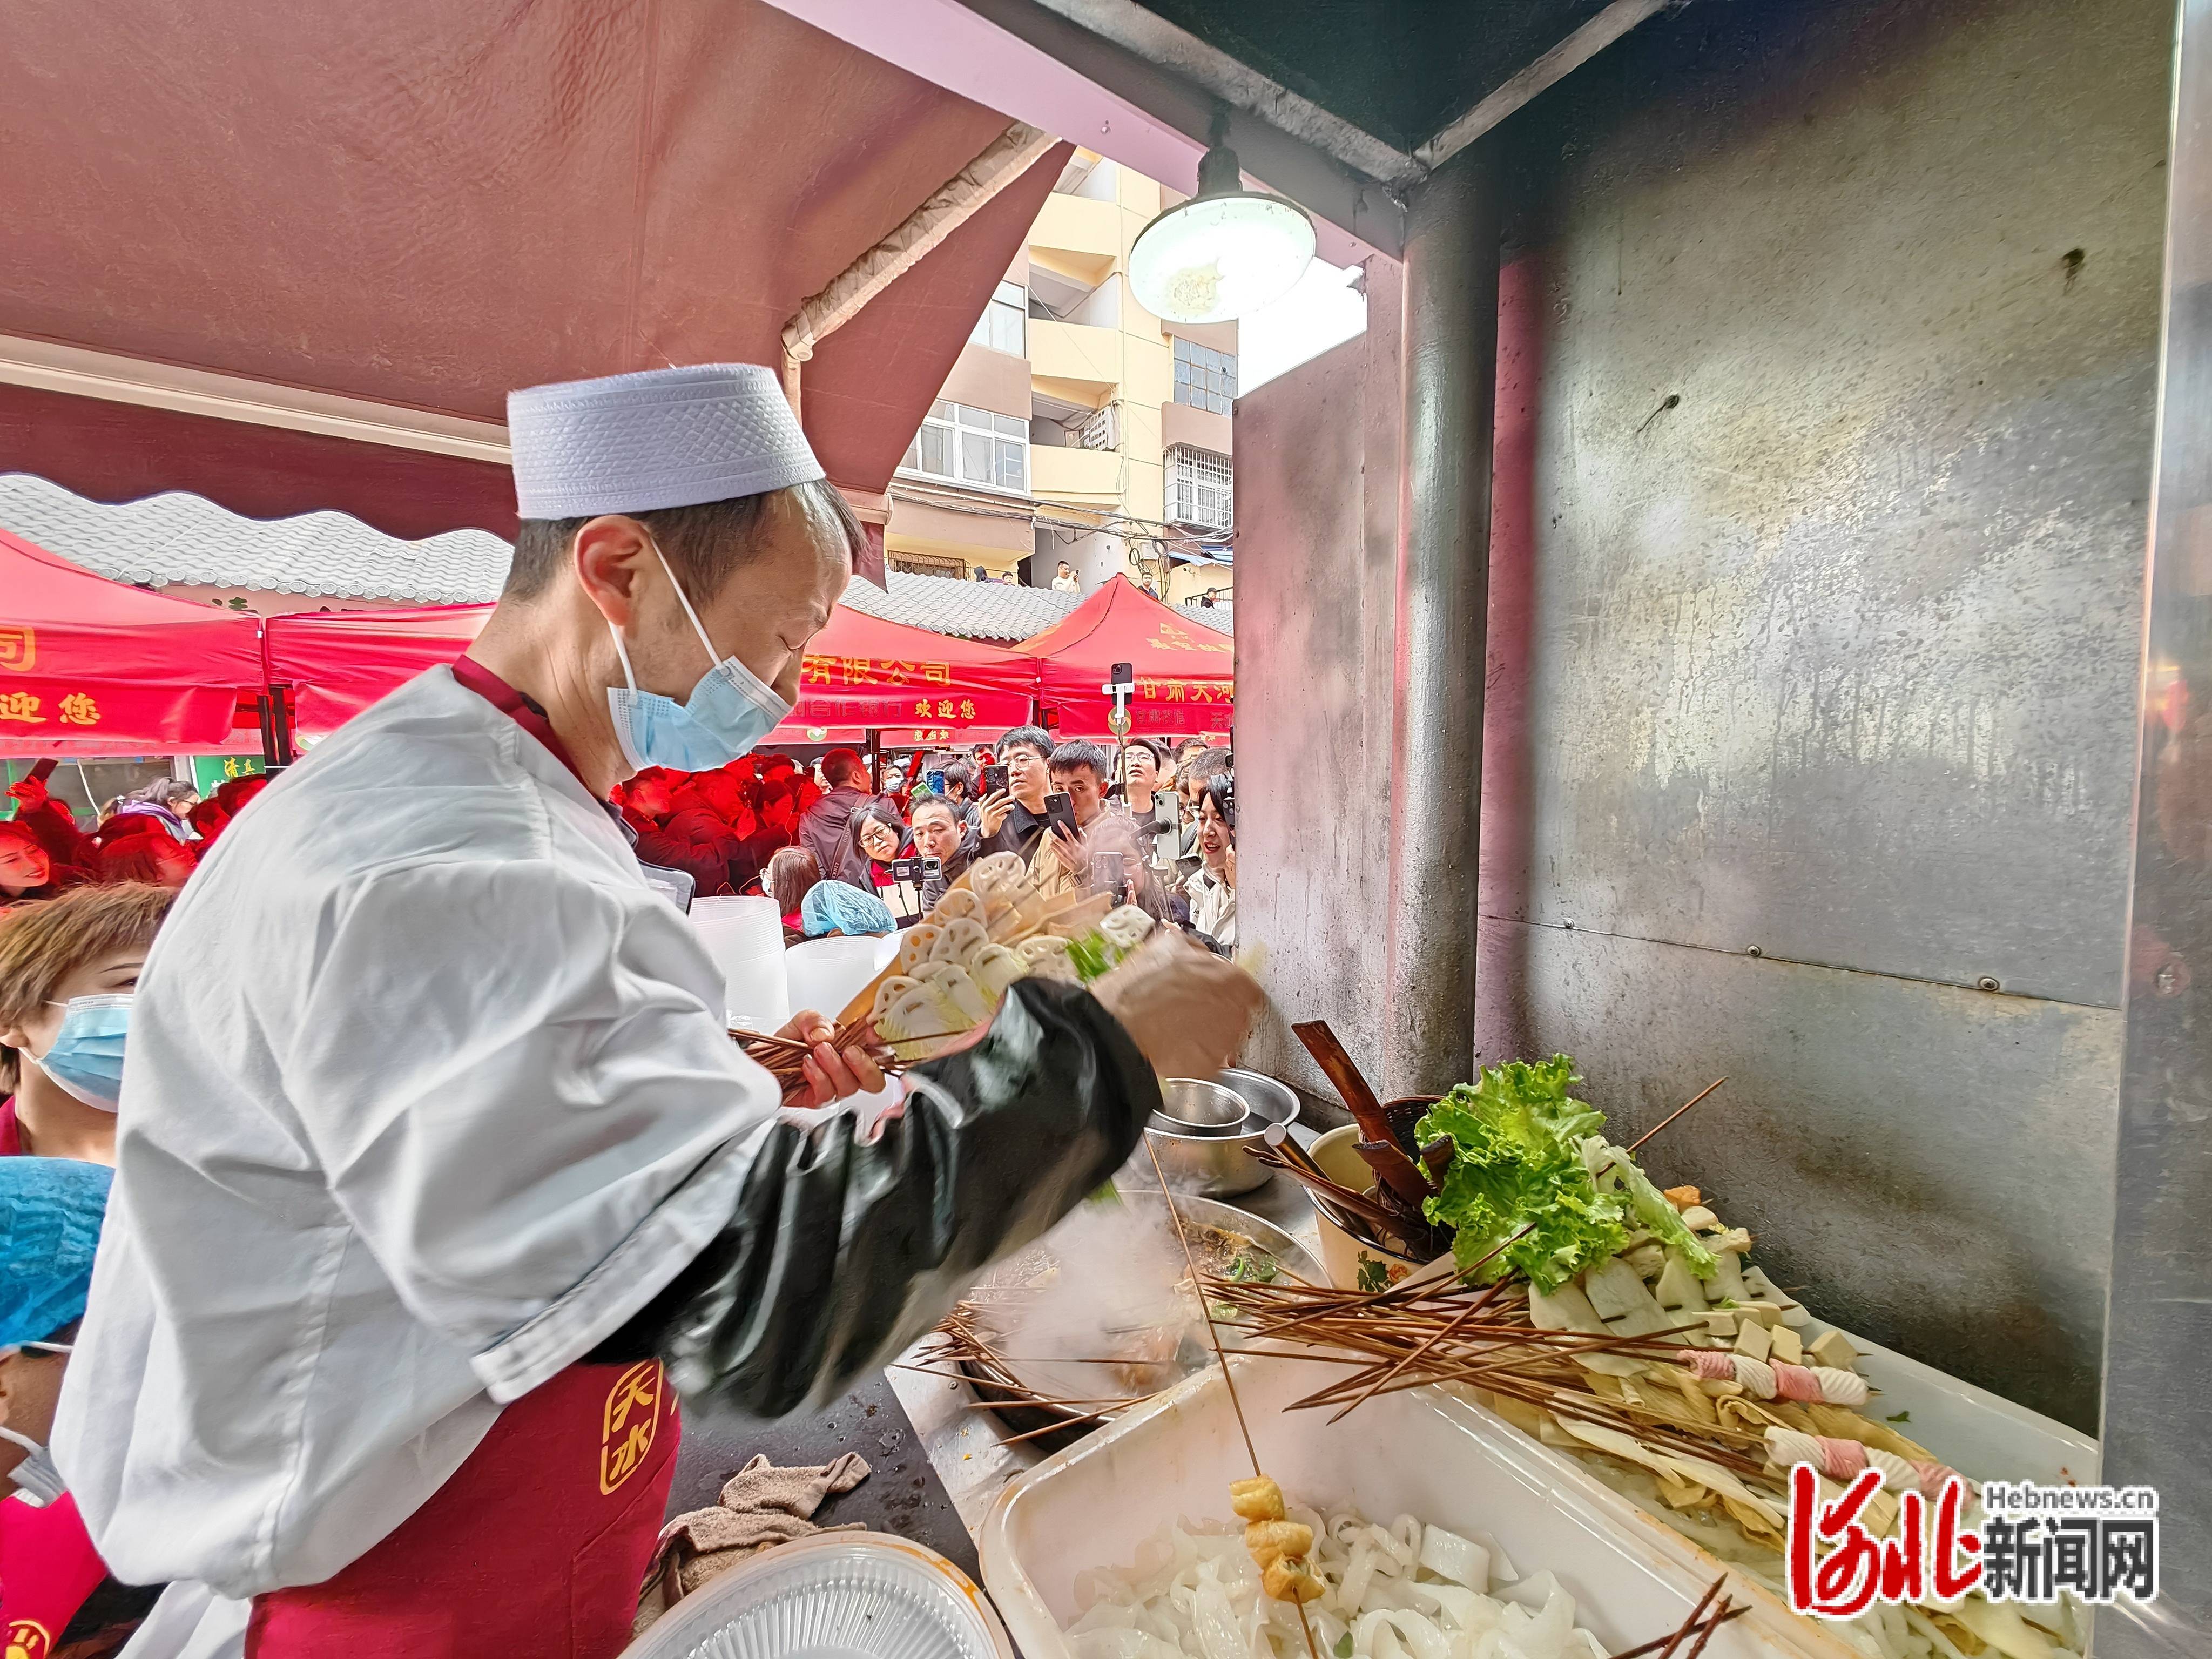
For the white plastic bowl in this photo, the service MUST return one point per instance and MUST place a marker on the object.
(834, 1596)
(1416, 1452)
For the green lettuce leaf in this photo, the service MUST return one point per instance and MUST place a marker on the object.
(1651, 1207)
(1517, 1164)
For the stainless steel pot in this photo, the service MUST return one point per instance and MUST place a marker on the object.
(1215, 1165)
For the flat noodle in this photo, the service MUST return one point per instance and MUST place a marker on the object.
(1193, 1594)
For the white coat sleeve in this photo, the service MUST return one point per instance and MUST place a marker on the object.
(522, 1099)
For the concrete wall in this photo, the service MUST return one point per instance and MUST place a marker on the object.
(1317, 547)
(1827, 367)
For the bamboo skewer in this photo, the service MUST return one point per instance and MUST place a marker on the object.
(1228, 1382)
(1706, 1635)
(1428, 1340)
(1677, 1112)
(1736, 1610)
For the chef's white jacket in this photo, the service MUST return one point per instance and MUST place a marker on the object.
(426, 1093)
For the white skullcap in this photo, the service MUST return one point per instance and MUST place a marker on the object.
(668, 437)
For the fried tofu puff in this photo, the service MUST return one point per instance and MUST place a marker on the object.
(1278, 1545)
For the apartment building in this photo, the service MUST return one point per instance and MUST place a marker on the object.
(1076, 425)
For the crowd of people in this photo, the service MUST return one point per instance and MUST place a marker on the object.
(155, 834)
(1153, 823)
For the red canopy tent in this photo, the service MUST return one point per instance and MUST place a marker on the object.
(339, 662)
(860, 673)
(1185, 674)
(88, 667)
(915, 687)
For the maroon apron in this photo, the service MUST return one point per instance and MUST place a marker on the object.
(533, 1549)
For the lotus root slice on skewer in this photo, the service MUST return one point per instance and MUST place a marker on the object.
(914, 944)
(960, 904)
(958, 941)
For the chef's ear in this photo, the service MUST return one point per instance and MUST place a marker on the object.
(611, 554)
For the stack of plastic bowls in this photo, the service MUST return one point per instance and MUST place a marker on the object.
(744, 936)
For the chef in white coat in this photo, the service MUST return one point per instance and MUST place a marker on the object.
(438, 1177)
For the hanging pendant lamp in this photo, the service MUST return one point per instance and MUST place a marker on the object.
(1223, 254)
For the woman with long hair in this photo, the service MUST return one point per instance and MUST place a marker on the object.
(1212, 889)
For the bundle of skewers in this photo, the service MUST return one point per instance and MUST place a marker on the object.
(1435, 1330)
(967, 1347)
(786, 1058)
(1688, 1640)
(1622, 1323)
(997, 924)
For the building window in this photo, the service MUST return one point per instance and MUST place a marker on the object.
(1205, 378)
(999, 327)
(1199, 492)
(971, 447)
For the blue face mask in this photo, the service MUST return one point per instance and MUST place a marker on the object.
(87, 1056)
(728, 712)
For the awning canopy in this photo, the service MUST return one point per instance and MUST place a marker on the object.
(915, 687)
(414, 207)
(339, 662)
(860, 672)
(1185, 671)
(88, 667)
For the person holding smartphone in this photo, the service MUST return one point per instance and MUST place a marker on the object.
(1020, 806)
(1088, 848)
(1152, 804)
(939, 834)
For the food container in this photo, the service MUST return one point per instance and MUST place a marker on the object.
(1055, 1426)
(1978, 1433)
(1417, 1452)
(853, 1594)
(1351, 1262)
(826, 974)
(1190, 1104)
(1215, 1165)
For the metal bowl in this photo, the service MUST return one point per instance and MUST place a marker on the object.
(1212, 1164)
(1197, 1108)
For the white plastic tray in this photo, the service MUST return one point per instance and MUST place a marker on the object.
(1415, 1453)
(1975, 1432)
(1980, 1434)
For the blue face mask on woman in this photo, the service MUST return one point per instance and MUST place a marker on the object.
(728, 712)
(87, 1055)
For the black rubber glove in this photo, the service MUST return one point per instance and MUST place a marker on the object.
(841, 1254)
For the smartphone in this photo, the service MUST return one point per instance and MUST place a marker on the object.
(44, 769)
(935, 780)
(1109, 875)
(1058, 808)
(932, 869)
(994, 780)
